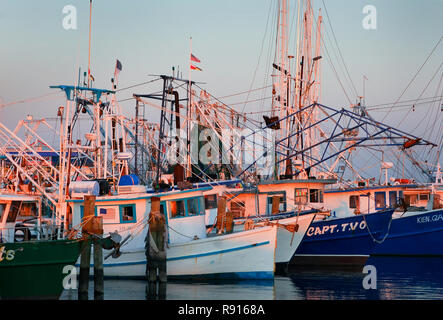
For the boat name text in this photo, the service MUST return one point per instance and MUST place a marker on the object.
(6, 254)
(434, 218)
(351, 226)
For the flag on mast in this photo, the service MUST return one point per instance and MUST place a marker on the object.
(195, 68)
(118, 68)
(194, 58)
(90, 76)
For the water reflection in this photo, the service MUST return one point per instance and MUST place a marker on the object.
(397, 278)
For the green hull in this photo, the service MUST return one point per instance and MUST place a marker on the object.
(34, 269)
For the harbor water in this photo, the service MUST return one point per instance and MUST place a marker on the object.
(396, 278)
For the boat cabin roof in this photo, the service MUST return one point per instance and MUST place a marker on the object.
(7, 197)
(177, 194)
(369, 188)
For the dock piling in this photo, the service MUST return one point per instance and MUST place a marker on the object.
(156, 244)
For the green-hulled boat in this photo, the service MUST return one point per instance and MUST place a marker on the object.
(34, 269)
(31, 257)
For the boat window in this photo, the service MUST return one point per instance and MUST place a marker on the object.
(424, 197)
(211, 201)
(28, 210)
(392, 199)
(202, 205)
(177, 208)
(128, 213)
(301, 196)
(238, 208)
(315, 195)
(411, 199)
(2, 210)
(108, 213)
(282, 202)
(354, 202)
(192, 205)
(13, 211)
(380, 200)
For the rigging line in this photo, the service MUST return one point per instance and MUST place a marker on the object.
(423, 91)
(339, 51)
(390, 103)
(323, 39)
(137, 85)
(243, 92)
(30, 99)
(435, 107)
(260, 55)
(249, 101)
(404, 106)
(416, 74)
(225, 105)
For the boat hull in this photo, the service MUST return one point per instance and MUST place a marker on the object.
(243, 255)
(419, 234)
(342, 241)
(288, 241)
(36, 270)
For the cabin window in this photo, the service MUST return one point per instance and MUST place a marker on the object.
(127, 213)
(392, 199)
(281, 205)
(13, 211)
(177, 208)
(108, 213)
(411, 199)
(192, 206)
(354, 202)
(28, 210)
(380, 200)
(211, 201)
(238, 208)
(424, 197)
(315, 195)
(301, 196)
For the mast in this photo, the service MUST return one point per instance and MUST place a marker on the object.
(89, 49)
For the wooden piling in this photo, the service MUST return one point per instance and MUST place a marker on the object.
(92, 233)
(156, 244)
(85, 260)
(85, 257)
(98, 259)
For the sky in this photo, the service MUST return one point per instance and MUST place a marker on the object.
(231, 38)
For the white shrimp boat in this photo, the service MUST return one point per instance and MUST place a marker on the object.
(191, 253)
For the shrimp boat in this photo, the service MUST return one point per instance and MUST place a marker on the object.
(343, 241)
(274, 202)
(191, 252)
(32, 259)
(417, 225)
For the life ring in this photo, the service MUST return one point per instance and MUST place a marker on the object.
(22, 234)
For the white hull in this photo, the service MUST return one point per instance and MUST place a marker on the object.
(288, 242)
(243, 255)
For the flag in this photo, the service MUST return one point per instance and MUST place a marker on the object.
(90, 75)
(195, 68)
(194, 58)
(118, 67)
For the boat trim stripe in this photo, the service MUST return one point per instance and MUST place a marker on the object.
(118, 264)
(219, 252)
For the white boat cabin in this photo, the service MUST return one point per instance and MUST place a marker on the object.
(128, 214)
(19, 215)
(350, 201)
(292, 195)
